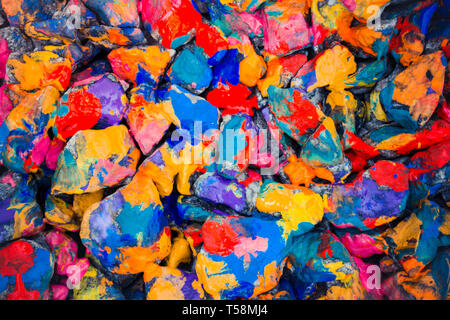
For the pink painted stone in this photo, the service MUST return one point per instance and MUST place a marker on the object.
(285, 28)
(4, 54)
(360, 245)
(5, 104)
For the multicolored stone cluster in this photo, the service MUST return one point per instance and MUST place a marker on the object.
(224, 149)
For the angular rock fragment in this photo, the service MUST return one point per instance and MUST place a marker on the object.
(83, 166)
(26, 267)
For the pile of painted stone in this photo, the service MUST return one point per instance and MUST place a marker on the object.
(120, 180)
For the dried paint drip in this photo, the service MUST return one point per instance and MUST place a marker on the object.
(224, 149)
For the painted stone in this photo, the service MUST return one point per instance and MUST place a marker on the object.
(191, 71)
(241, 143)
(418, 88)
(218, 190)
(295, 115)
(140, 64)
(321, 257)
(241, 257)
(121, 13)
(280, 71)
(148, 117)
(68, 215)
(20, 214)
(415, 240)
(377, 196)
(24, 11)
(194, 116)
(128, 230)
(62, 25)
(299, 208)
(329, 69)
(166, 21)
(26, 267)
(285, 27)
(49, 68)
(428, 171)
(24, 140)
(323, 149)
(232, 99)
(82, 166)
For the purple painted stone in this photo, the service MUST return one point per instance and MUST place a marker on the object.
(112, 97)
(219, 190)
(377, 196)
